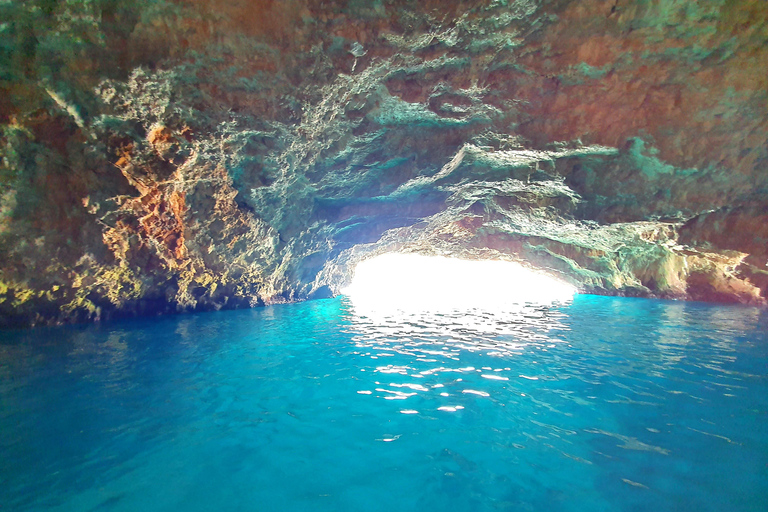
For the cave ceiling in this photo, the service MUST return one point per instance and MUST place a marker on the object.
(163, 156)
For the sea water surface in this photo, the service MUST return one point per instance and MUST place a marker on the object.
(600, 404)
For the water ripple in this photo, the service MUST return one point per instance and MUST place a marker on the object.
(598, 404)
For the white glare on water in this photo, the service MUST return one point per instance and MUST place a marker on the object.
(412, 282)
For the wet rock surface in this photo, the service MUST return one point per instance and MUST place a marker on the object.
(176, 156)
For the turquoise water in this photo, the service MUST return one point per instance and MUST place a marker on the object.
(604, 404)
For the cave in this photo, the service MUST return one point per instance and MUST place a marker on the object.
(193, 156)
(163, 160)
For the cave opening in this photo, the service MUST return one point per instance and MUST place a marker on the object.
(410, 282)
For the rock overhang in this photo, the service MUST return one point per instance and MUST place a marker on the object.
(620, 147)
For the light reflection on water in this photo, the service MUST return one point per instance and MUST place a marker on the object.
(434, 342)
(560, 369)
(594, 404)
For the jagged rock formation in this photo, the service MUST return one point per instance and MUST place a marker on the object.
(163, 156)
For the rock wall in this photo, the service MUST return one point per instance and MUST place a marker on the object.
(163, 156)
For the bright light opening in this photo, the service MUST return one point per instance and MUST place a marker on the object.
(412, 282)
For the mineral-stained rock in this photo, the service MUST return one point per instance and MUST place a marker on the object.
(174, 156)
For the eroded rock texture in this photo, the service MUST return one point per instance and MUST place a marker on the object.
(162, 156)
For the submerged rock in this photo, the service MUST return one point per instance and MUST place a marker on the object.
(162, 157)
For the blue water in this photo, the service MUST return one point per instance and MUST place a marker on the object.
(604, 404)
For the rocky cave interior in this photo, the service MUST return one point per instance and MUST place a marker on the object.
(162, 156)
